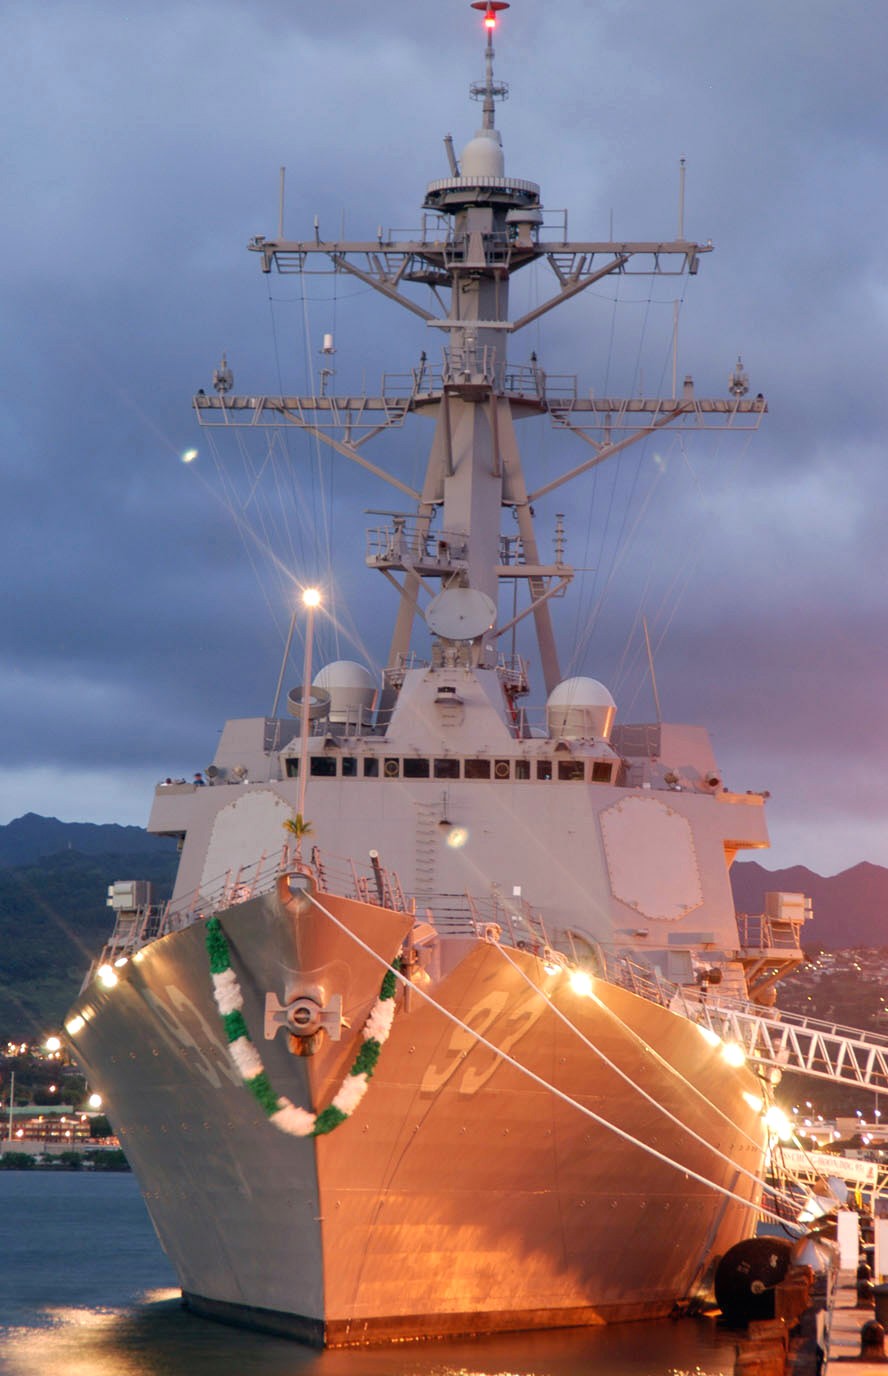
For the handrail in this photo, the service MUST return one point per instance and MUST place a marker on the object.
(453, 914)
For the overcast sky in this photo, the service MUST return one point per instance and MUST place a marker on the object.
(147, 599)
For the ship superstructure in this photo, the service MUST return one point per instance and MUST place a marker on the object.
(553, 888)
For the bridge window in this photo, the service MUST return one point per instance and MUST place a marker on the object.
(522, 769)
(544, 769)
(371, 767)
(349, 767)
(323, 766)
(391, 768)
(602, 771)
(571, 770)
(501, 769)
(477, 769)
(446, 769)
(416, 769)
(292, 769)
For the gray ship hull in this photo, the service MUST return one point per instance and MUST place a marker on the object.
(462, 1196)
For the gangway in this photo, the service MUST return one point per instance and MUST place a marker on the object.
(790, 1041)
(814, 1166)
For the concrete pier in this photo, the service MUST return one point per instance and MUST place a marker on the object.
(839, 1332)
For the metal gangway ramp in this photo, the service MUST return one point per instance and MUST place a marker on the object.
(789, 1041)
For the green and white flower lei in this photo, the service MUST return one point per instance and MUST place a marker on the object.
(286, 1116)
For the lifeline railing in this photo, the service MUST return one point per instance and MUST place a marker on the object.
(779, 1040)
(452, 914)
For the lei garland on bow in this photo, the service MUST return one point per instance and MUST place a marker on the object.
(286, 1116)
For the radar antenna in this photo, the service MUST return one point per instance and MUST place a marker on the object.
(223, 377)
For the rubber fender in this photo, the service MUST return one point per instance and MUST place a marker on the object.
(746, 1276)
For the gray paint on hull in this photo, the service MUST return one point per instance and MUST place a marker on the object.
(459, 1188)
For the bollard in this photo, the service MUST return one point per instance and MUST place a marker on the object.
(864, 1287)
(880, 1296)
(865, 1298)
(872, 1342)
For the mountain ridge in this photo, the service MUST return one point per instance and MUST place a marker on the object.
(32, 836)
(54, 879)
(849, 908)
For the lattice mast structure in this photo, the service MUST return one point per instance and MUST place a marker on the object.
(480, 226)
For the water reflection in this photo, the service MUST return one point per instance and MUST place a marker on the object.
(157, 1337)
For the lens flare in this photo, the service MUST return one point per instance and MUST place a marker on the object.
(778, 1123)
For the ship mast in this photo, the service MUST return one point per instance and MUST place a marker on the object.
(474, 467)
(481, 226)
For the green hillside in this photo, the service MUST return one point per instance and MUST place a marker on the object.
(53, 922)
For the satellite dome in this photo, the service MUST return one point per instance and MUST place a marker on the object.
(352, 689)
(580, 709)
(483, 156)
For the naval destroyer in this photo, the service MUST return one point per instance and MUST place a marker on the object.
(411, 1050)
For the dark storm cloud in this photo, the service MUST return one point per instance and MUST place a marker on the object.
(144, 151)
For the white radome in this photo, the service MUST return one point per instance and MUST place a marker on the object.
(351, 688)
(581, 708)
(483, 156)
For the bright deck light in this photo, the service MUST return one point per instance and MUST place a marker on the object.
(53, 1044)
(734, 1053)
(778, 1123)
(580, 982)
(95, 1101)
(311, 598)
(107, 976)
(75, 1025)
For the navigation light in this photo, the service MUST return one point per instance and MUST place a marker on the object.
(490, 8)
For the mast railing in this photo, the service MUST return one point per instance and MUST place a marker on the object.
(402, 257)
(469, 362)
(361, 418)
(758, 932)
(409, 539)
(519, 380)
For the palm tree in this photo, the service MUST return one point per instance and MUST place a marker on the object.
(299, 827)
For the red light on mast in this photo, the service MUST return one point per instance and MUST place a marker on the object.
(490, 8)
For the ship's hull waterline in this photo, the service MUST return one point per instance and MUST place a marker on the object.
(462, 1196)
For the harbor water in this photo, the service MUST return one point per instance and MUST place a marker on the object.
(86, 1290)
